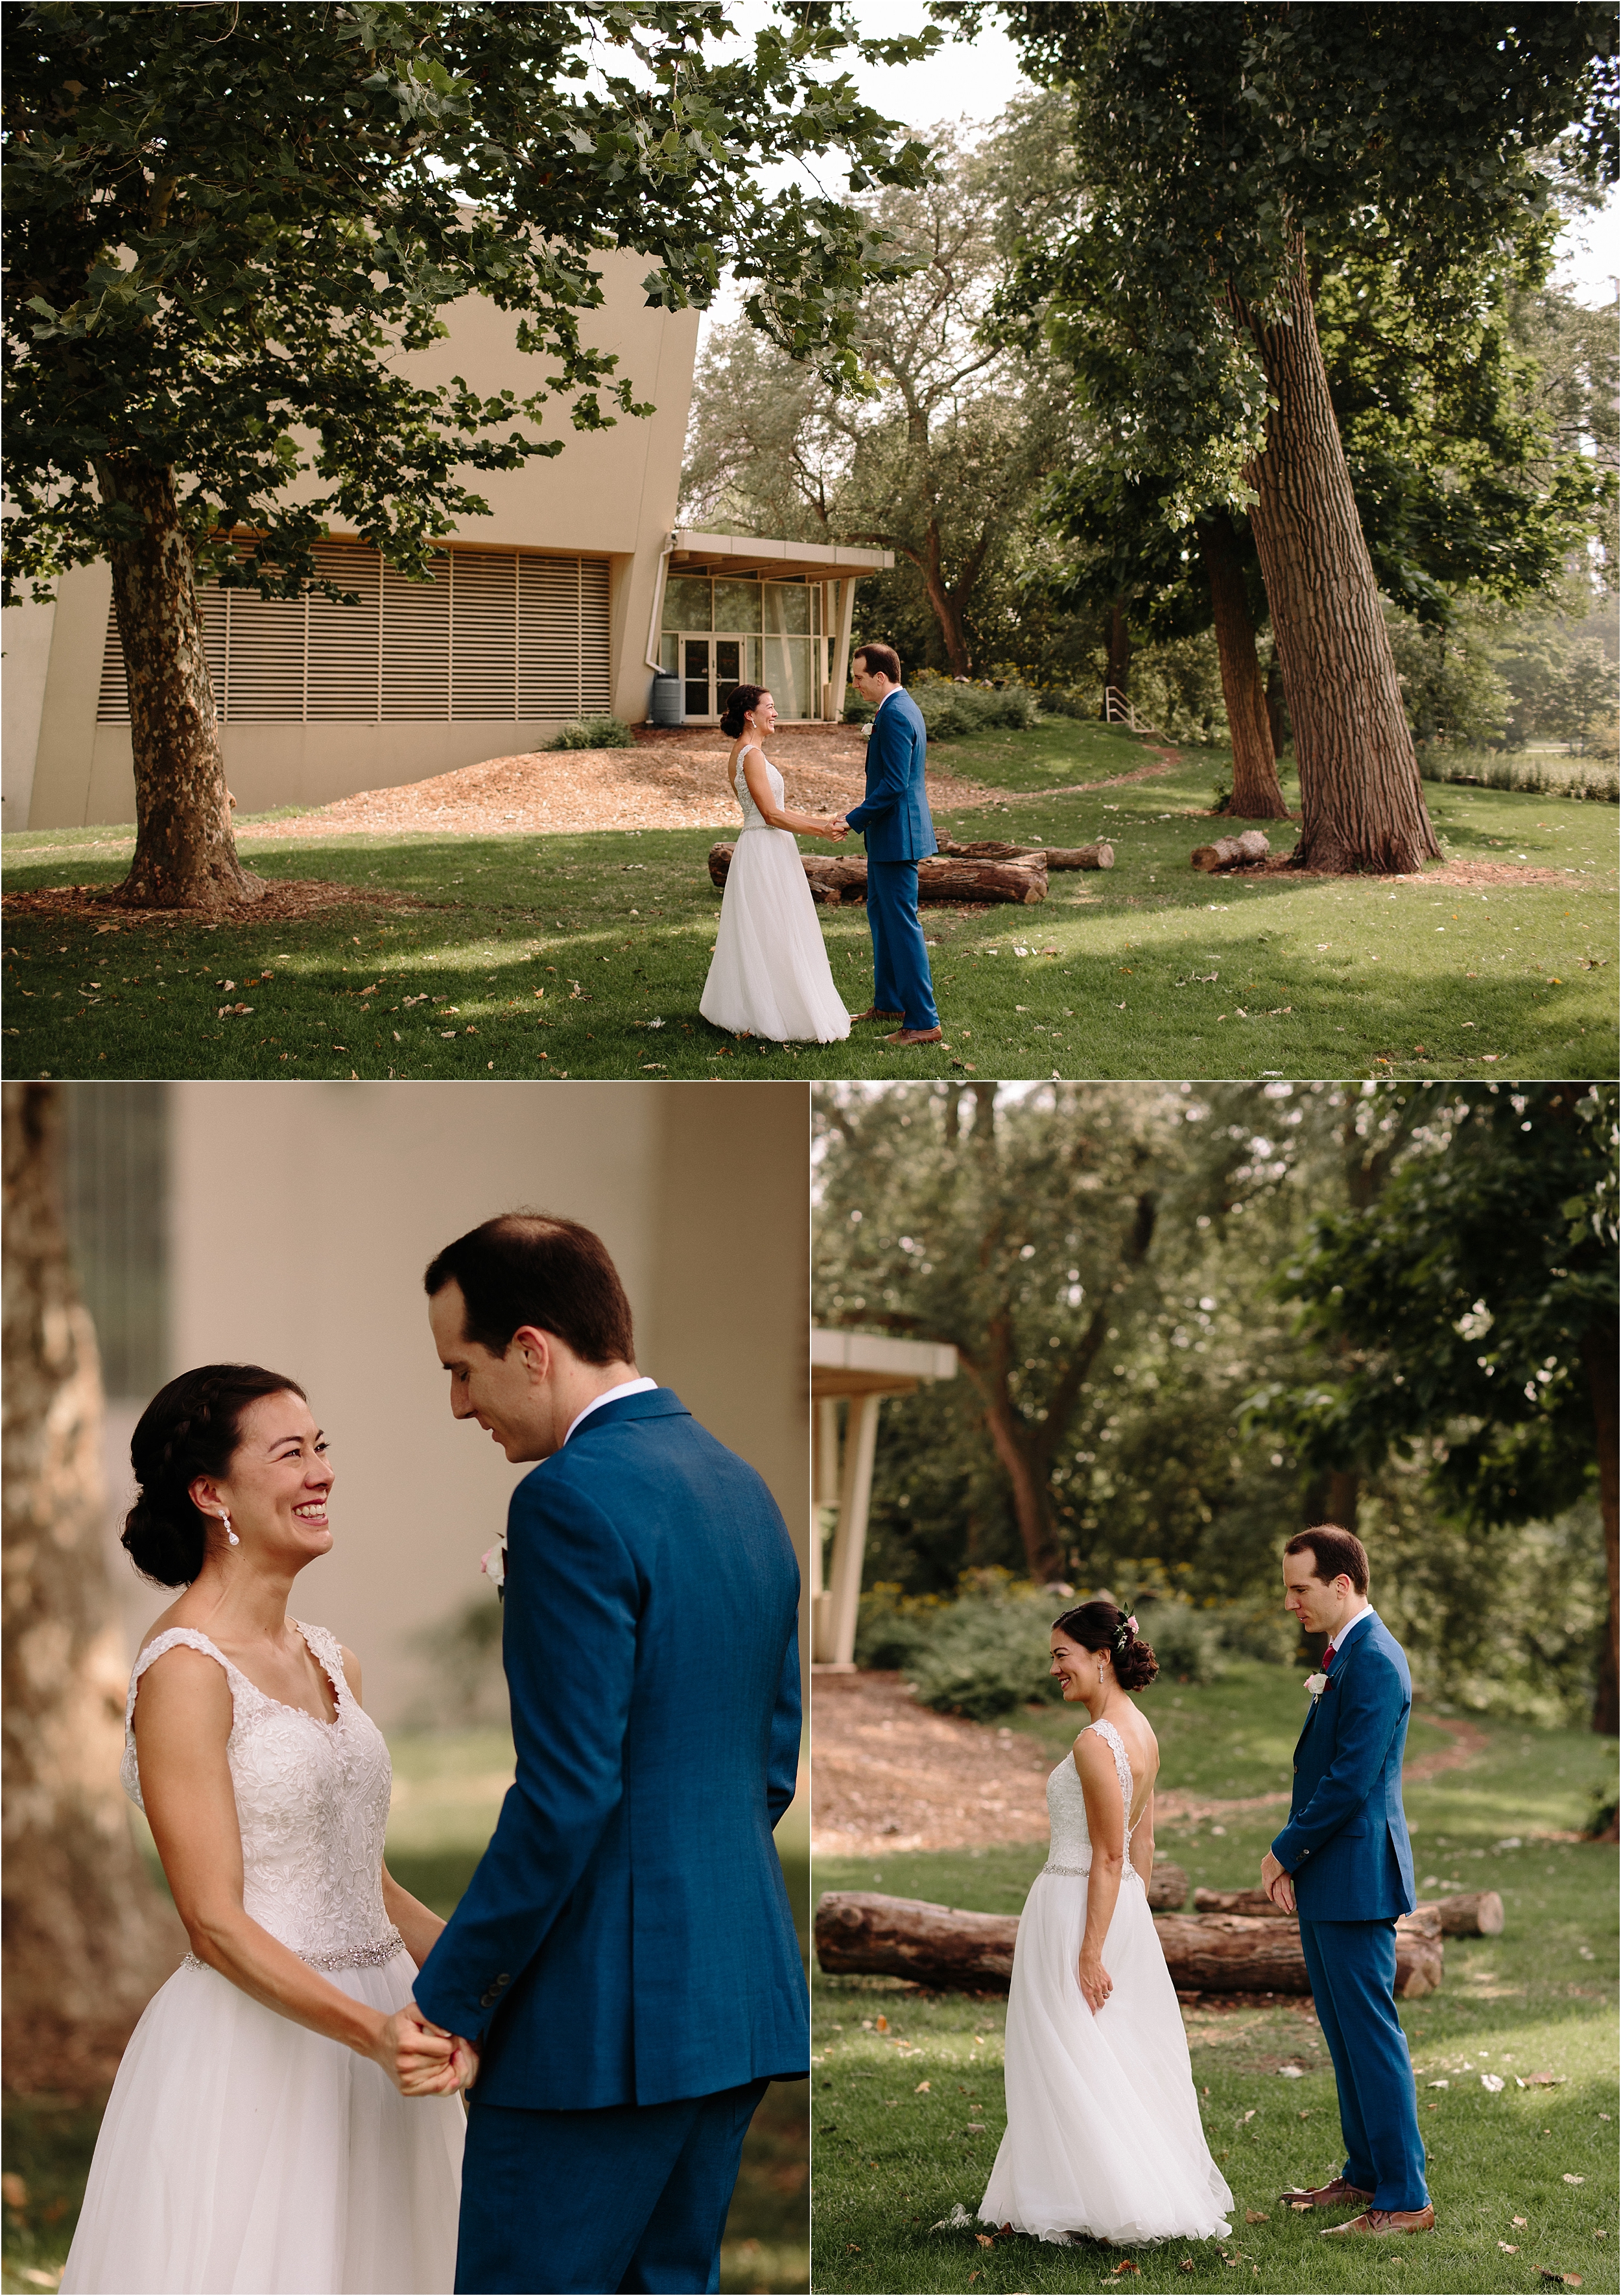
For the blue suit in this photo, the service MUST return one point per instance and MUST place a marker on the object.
(893, 819)
(1347, 1850)
(625, 1955)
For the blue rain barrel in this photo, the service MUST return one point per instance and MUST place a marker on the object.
(666, 707)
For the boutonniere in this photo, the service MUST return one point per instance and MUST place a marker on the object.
(1316, 1684)
(493, 1563)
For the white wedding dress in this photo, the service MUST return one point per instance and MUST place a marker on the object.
(240, 2151)
(770, 976)
(1103, 2136)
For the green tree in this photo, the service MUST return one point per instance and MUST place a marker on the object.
(939, 454)
(1222, 152)
(224, 225)
(1473, 1308)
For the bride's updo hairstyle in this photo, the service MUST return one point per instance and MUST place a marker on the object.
(1100, 1626)
(741, 700)
(191, 1427)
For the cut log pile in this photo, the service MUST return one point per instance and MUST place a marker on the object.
(1240, 852)
(1100, 855)
(840, 880)
(860, 1933)
(1476, 1913)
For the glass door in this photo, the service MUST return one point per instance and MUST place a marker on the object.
(695, 673)
(711, 668)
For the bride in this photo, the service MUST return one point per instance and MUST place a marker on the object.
(1103, 2136)
(770, 977)
(258, 2135)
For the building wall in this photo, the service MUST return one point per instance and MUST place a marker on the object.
(610, 493)
(301, 1217)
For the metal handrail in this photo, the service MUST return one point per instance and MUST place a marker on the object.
(1117, 711)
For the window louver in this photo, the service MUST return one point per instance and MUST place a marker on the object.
(497, 635)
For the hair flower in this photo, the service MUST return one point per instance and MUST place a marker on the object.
(1131, 1626)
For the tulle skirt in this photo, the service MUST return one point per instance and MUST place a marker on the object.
(770, 976)
(1103, 2135)
(240, 2152)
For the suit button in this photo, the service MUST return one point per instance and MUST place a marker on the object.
(504, 1978)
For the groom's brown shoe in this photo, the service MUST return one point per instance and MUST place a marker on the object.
(904, 1036)
(873, 1012)
(1384, 2220)
(1337, 2195)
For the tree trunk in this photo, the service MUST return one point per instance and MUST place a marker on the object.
(88, 1937)
(1241, 852)
(1119, 671)
(1256, 794)
(947, 606)
(185, 853)
(1599, 1354)
(860, 1933)
(1023, 882)
(1032, 1494)
(1277, 716)
(1361, 802)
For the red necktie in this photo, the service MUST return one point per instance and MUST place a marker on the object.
(1327, 1658)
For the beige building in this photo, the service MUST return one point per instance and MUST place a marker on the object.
(290, 1223)
(561, 603)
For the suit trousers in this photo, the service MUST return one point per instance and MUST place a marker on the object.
(901, 982)
(1352, 1968)
(627, 2197)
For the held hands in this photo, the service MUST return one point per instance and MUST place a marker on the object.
(423, 2059)
(838, 829)
(1277, 1883)
(1096, 1983)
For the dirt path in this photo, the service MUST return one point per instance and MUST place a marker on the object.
(888, 1774)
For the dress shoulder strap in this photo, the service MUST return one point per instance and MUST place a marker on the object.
(1115, 1744)
(174, 1638)
(328, 1652)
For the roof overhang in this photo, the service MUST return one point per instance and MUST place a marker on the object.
(857, 1362)
(744, 558)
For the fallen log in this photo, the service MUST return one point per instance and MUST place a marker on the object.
(1477, 1912)
(859, 1933)
(1168, 1890)
(1100, 855)
(844, 880)
(1232, 852)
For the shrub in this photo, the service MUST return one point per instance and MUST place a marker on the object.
(1542, 777)
(986, 1652)
(1186, 1641)
(891, 1628)
(593, 733)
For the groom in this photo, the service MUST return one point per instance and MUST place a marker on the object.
(894, 818)
(624, 1962)
(1344, 1863)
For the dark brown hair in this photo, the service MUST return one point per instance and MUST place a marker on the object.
(191, 1427)
(881, 661)
(740, 701)
(1333, 1552)
(1100, 1626)
(528, 1267)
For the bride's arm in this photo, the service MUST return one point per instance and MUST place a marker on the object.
(416, 1922)
(183, 1720)
(806, 825)
(1105, 1824)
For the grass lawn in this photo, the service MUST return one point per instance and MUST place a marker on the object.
(585, 955)
(890, 2160)
(447, 1792)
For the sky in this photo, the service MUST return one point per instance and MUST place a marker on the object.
(975, 81)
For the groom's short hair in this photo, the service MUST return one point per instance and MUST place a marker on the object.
(881, 661)
(529, 1268)
(1335, 1552)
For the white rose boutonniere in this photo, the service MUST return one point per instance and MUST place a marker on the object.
(1316, 1684)
(493, 1563)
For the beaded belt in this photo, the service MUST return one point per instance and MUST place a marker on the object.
(380, 1951)
(1080, 1871)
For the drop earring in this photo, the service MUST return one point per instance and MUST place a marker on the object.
(230, 1534)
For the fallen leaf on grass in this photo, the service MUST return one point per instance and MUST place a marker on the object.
(1257, 2216)
(1568, 2179)
(881, 2024)
(1440, 2084)
(1493, 2081)
(1125, 2265)
(1509, 2247)
(1521, 2222)
(986, 2239)
(1186, 2264)
(1544, 2080)
(1561, 2279)
(921, 2089)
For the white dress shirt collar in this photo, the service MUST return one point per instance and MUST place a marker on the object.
(1337, 1642)
(611, 1395)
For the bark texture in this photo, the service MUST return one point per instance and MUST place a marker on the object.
(1256, 794)
(1360, 799)
(1119, 671)
(186, 854)
(1476, 1913)
(1100, 855)
(88, 1937)
(1240, 852)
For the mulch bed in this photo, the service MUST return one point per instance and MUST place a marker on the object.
(281, 902)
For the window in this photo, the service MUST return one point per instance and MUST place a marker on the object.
(498, 634)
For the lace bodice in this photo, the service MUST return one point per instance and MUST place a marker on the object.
(1070, 1847)
(312, 1801)
(753, 818)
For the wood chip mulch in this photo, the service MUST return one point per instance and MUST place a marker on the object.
(888, 1774)
(282, 902)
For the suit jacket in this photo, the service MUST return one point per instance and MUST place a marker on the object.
(1345, 1843)
(627, 1938)
(894, 815)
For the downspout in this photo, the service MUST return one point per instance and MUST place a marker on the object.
(652, 656)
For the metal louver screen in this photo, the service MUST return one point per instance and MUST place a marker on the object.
(497, 635)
